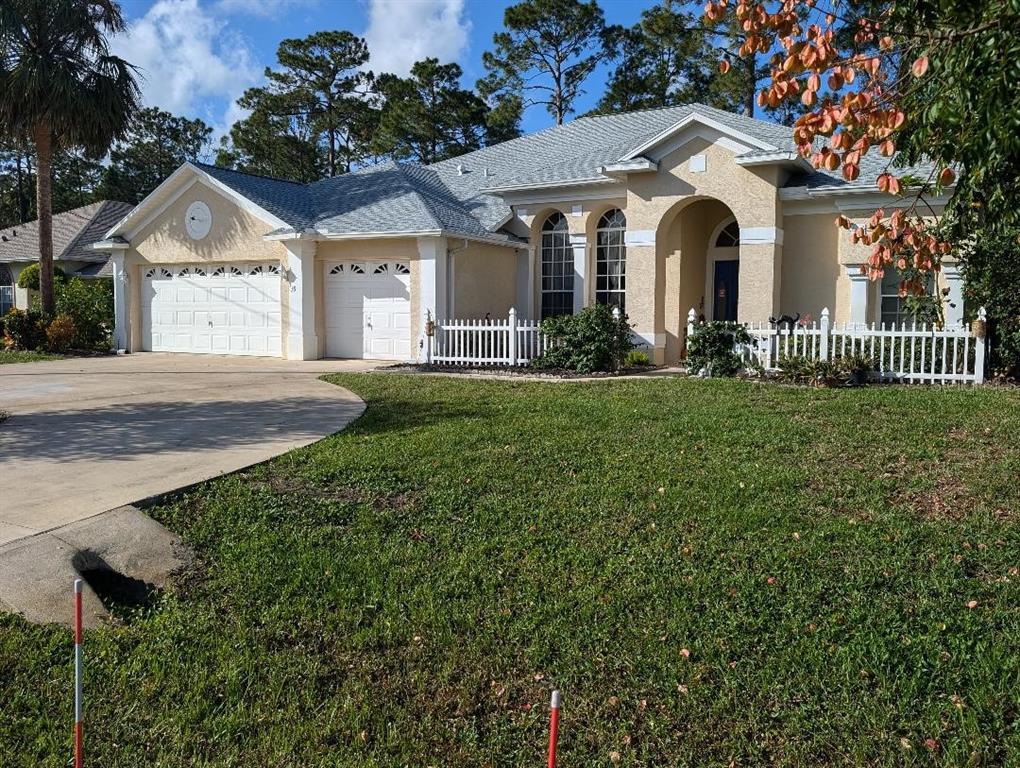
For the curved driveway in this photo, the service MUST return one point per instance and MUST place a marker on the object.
(89, 435)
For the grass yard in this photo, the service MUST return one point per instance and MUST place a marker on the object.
(14, 356)
(714, 573)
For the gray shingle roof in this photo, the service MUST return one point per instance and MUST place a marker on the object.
(74, 232)
(459, 195)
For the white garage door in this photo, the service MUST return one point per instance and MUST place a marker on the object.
(223, 309)
(368, 310)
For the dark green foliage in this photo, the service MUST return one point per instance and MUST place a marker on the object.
(270, 145)
(991, 266)
(89, 304)
(28, 278)
(592, 340)
(406, 592)
(155, 145)
(664, 60)
(25, 330)
(549, 49)
(427, 116)
(711, 348)
(841, 370)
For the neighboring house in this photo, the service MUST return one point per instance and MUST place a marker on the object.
(74, 233)
(657, 211)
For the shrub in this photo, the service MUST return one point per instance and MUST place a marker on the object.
(841, 370)
(636, 358)
(89, 303)
(992, 281)
(711, 348)
(60, 334)
(591, 340)
(28, 278)
(24, 330)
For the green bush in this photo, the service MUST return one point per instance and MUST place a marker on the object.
(89, 303)
(28, 278)
(992, 281)
(60, 334)
(25, 330)
(592, 340)
(636, 358)
(711, 348)
(841, 370)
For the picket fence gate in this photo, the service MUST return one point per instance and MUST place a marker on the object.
(902, 352)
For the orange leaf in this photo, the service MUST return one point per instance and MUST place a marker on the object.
(947, 177)
(920, 66)
(724, 66)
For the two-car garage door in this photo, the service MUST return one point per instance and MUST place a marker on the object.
(228, 309)
(235, 309)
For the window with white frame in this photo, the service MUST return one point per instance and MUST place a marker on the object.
(6, 290)
(729, 236)
(894, 308)
(611, 259)
(557, 267)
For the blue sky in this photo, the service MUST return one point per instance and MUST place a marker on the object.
(198, 56)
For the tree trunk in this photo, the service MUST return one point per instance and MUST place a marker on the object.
(44, 209)
(749, 96)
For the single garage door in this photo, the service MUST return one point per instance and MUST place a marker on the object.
(368, 310)
(230, 309)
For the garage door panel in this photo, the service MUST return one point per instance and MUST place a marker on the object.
(368, 310)
(229, 310)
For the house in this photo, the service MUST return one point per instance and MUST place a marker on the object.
(74, 233)
(658, 211)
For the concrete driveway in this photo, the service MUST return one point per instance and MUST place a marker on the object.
(89, 435)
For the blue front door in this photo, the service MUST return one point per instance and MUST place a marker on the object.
(724, 296)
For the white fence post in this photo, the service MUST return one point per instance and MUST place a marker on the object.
(823, 338)
(979, 346)
(692, 318)
(512, 345)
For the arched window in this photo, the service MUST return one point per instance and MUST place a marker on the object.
(611, 259)
(557, 268)
(729, 237)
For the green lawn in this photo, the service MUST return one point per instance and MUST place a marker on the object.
(13, 356)
(714, 573)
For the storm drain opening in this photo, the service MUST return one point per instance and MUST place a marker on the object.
(123, 596)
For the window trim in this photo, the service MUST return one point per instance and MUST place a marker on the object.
(557, 229)
(602, 253)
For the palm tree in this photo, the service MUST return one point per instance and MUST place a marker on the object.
(60, 87)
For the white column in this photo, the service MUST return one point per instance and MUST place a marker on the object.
(534, 309)
(953, 308)
(579, 245)
(302, 340)
(432, 285)
(859, 290)
(120, 310)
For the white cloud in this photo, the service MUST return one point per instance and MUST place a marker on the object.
(266, 8)
(191, 62)
(401, 32)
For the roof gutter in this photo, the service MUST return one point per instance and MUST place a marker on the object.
(591, 181)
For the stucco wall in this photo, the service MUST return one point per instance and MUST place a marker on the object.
(812, 276)
(485, 280)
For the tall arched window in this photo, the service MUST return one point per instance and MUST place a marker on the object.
(611, 259)
(557, 268)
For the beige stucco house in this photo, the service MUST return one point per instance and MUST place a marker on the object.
(659, 212)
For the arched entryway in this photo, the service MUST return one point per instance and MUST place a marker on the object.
(699, 243)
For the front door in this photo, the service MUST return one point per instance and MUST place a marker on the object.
(724, 293)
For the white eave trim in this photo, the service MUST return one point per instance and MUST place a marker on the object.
(694, 117)
(330, 237)
(637, 165)
(851, 197)
(769, 158)
(142, 213)
(110, 245)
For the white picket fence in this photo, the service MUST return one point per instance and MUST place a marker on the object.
(905, 352)
(486, 342)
